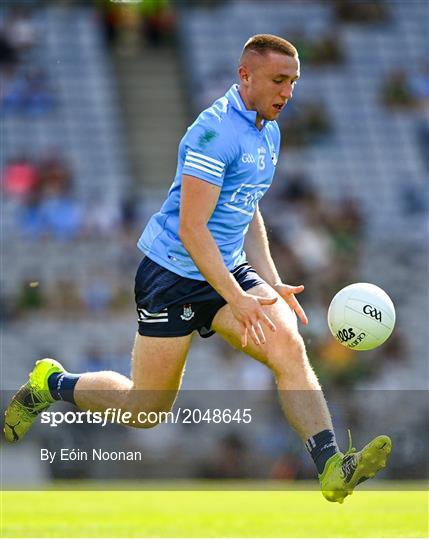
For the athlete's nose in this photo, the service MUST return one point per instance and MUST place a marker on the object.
(287, 91)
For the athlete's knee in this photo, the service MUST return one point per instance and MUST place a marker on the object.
(297, 350)
(289, 354)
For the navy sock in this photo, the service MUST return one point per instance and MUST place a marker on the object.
(321, 447)
(61, 386)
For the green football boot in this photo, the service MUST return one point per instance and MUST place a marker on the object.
(343, 472)
(30, 400)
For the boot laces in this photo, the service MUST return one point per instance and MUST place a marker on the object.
(32, 402)
(349, 461)
(351, 449)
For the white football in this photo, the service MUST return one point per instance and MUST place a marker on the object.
(361, 316)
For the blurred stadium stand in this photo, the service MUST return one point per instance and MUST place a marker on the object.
(120, 144)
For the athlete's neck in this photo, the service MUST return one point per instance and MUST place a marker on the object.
(249, 107)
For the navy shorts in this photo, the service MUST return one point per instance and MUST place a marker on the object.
(170, 305)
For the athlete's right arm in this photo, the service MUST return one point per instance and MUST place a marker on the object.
(197, 203)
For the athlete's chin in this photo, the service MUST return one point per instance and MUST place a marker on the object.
(269, 116)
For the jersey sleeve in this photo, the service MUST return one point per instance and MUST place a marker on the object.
(208, 149)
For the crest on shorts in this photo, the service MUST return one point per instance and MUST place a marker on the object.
(187, 313)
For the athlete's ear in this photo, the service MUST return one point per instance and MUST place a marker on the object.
(243, 73)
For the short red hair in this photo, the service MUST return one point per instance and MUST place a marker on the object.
(263, 43)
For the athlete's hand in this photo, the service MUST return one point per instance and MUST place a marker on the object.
(288, 292)
(248, 310)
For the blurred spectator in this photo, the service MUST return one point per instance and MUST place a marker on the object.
(31, 296)
(254, 376)
(317, 121)
(423, 136)
(111, 19)
(413, 196)
(9, 309)
(304, 124)
(64, 298)
(286, 259)
(420, 89)
(39, 96)
(102, 218)
(394, 350)
(97, 293)
(95, 360)
(154, 20)
(8, 55)
(206, 4)
(50, 209)
(322, 50)
(229, 460)
(120, 20)
(8, 78)
(396, 90)
(327, 50)
(286, 467)
(19, 177)
(26, 92)
(54, 173)
(274, 438)
(158, 22)
(30, 218)
(419, 86)
(345, 225)
(303, 45)
(334, 363)
(21, 29)
(129, 216)
(318, 243)
(60, 217)
(361, 11)
(217, 82)
(299, 223)
(314, 249)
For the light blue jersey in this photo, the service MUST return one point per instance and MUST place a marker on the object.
(223, 147)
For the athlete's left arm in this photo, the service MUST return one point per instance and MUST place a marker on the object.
(259, 256)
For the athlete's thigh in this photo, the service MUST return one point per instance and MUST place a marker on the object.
(227, 326)
(158, 362)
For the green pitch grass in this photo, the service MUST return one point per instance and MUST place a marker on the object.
(202, 513)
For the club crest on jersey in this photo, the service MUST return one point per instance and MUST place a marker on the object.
(206, 137)
(187, 313)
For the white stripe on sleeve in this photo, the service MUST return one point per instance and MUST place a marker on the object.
(202, 162)
(201, 168)
(206, 158)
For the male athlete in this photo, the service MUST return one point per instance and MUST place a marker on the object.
(195, 276)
